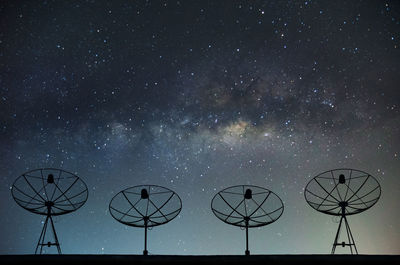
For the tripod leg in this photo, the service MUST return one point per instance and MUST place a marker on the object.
(55, 236)
(42, 236)
(247, 252)
(145, 252)
(350, 237)
(337, 236)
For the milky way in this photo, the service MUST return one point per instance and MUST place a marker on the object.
(197, 96)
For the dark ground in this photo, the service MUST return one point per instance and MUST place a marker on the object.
(164, 259)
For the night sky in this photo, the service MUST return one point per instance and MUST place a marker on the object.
(197, 96)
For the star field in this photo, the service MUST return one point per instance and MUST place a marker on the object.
(197, 96)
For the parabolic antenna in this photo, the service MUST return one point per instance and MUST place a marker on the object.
(145, 206)
(343, 192)
(247, 206)
(49, 192)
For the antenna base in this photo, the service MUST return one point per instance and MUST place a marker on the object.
(344, 225)
(48, 225)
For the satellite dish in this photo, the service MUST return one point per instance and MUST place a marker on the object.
(50, 192)
(343, 192)
(145, 206)
(247, 206)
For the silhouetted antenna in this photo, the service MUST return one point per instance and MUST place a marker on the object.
(145, 206)
(343, 192)
(247, 206)
(49, 192)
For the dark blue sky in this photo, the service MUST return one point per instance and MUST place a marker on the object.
(198, 96)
